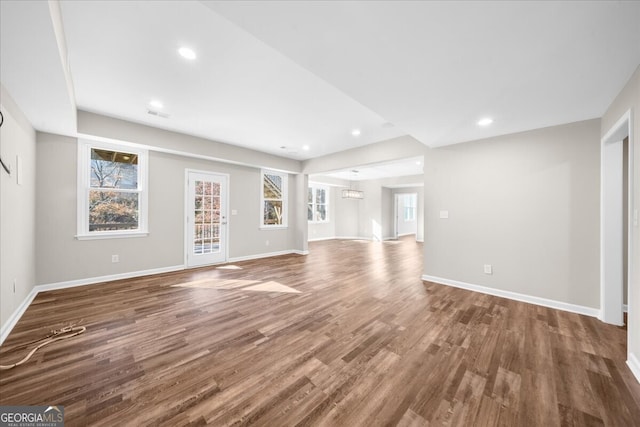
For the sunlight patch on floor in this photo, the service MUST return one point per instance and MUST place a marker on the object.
(228, 267)
(239, 284)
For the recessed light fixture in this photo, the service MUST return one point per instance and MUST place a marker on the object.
(418, 163)
(155, 104)
(355, 132)
(306, 147)
(485, 122)
(187, 53)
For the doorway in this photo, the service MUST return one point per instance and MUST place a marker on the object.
(615, 248)
(406, 214)
(206, 218)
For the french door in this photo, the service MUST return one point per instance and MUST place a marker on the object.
(206, 218)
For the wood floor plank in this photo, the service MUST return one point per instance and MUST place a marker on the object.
(364, 343)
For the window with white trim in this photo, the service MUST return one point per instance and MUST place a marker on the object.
(112, 192)
(273, 199)
(318, 203)
(409, 207)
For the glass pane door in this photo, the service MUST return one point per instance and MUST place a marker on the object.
(206, 219)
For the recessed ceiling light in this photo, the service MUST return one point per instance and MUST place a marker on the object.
(355, 132)
(306, 147)
(187, 53)
(418, 163)
(485, 122)
(155, 104)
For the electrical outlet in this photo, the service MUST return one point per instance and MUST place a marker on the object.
(115, 258)
(444, 214)
(266, 243)
(488, 269)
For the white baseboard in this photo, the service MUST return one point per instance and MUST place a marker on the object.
(625, 308)
(573, 308)
(16, 315)
(339, 238)
(319, 239)
(267, 255)
(405, 234)
(634, 365)
(420, 240)
(108, 278)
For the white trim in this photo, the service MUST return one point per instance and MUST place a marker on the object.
(83, 186)
(108, 278)
(16, 315)
(625, 308)
(559, 305)
(319, 239)
(419, 240)
(224, 211)
(407, 234)
(611, 218)
(634, 365)
(112, 235)
(267, 255)
(285, 200)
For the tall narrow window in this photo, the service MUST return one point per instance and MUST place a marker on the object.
(112, 198)
(274, 199)
(318, 204)
(409, 207)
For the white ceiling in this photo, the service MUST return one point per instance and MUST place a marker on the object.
(289, 74)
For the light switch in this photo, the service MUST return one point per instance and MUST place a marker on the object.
(444, 214)
(488, 269)
(234, 212)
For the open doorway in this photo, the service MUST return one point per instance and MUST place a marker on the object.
(406, 214)
(615, 249)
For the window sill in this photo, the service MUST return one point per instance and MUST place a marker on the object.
(273, 227)
(116, 235)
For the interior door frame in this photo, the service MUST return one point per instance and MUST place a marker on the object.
(224, 213)
(611, 221)
(396, 223)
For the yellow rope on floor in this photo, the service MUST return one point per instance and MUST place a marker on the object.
(57, 335)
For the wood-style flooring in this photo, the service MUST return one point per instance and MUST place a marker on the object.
(364, 343)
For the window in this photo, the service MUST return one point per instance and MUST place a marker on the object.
(112, 196)
(274, 199)
(318, 204)
(409, 207)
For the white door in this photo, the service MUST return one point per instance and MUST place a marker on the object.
(206, 233)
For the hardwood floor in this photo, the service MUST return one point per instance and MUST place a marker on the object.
(366, 342)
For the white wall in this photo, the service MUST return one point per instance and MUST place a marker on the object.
(17, 208)
(526, 203)
(384, 151)
(60, 257)
(629, 99)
